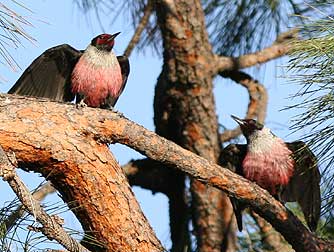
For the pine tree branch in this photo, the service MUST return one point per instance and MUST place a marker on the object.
(51, 225)
(86, 175)
(106, 126)
(258, 100)
(140, 27)
(278, 49)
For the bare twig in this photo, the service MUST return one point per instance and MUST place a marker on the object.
(279, 48)
(258, 100)
(38, 195)
(141, 26)
(51, 226)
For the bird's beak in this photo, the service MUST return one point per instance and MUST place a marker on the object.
(114, 36)
(238, 120)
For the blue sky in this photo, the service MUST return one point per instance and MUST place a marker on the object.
(59, 22)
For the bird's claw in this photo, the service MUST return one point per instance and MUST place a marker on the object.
(116, 111)
(81, 104)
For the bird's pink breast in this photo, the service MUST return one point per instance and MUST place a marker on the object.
(96, 83)
(269, 169)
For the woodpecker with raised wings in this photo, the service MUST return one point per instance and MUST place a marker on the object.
(289, 171)
(94, 76)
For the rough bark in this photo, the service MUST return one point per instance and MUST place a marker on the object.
(51, 225)
(82, 169)
(36, 132)
(185, 112)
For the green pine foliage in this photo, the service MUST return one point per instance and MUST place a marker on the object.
(13, 25)
(311, 67)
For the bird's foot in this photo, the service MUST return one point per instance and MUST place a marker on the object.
(116, 111)
(81, 104)
(119, 113)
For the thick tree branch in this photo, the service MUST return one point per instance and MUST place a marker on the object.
(140, 28)
(51, 226)
(276, 50)
(29, 114)
(258, 100)
(82, 170)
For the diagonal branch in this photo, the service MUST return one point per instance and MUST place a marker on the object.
(38, 195)
(140, 28)
(276, 50)
(258, 100)
(51, 226)
(103, 125)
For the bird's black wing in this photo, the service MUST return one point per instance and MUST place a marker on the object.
(125, 70)
(49, 75)
(304, 186)
(231, 157)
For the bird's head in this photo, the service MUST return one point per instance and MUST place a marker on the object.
(104, 42)
(248, 126)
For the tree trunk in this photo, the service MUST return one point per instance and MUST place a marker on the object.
(185, 109)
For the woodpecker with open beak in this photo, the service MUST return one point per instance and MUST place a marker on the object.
(289, 171)
(95, 76)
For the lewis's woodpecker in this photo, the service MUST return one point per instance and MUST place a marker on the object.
(94, 76)
(289, 171)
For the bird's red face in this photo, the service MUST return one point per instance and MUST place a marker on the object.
(104, 41)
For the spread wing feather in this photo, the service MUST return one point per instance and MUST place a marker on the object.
(304, 186)
(49, 75)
